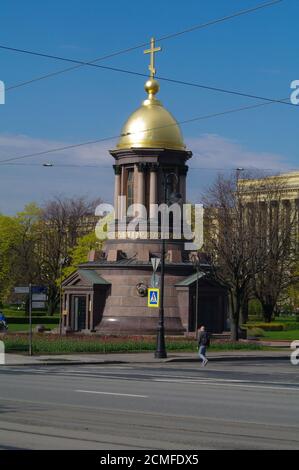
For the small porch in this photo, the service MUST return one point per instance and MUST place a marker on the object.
(212, 304)
(84, 298)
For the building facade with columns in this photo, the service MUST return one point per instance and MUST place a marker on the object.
(107, 295)
(282, 189)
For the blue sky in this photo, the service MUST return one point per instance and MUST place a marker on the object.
(256, 53)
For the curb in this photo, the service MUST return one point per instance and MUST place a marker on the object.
(158, 361)
(231, 359)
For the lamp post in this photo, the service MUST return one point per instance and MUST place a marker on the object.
(195, 260)
(63, 260)
(238, 171)
(61, 264)
(161, 348)
(30, 320)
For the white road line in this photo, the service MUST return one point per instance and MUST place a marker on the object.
(188, 379)
(225, 384)
(112, 393)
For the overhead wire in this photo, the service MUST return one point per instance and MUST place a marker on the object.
(130, 49)
(96, 141)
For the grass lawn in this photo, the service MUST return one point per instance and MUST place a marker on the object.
(18, 321)
(281, 335)
(14, 312)
(17, 327)
(53, 344)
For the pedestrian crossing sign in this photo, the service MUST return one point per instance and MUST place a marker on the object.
(153, 297)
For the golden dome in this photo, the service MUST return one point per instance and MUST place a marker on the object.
(151, 125)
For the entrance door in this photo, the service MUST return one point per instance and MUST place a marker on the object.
(79, 312)
(209, 314)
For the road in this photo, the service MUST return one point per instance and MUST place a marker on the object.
(231, 405)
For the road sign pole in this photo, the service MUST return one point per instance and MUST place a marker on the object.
(161, 348)
(30, 320)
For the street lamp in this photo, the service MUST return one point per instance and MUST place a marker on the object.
(61, 265)
(196, 263)
(238, 171)
(63, 260)
(173, 198)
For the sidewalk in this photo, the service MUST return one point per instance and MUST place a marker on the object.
(140, 358)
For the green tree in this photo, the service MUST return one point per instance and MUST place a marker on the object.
(9, 240)
(79, 254)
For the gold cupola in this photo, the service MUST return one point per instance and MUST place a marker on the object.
(151, 125)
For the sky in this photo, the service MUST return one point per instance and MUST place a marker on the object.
(255, 53)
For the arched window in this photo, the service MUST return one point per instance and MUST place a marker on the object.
(130, 187)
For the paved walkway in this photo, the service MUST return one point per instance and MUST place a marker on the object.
(139, 358)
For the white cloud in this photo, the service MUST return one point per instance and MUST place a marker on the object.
(213, 151)
(209, 150)
(21, 184)
(18, 145)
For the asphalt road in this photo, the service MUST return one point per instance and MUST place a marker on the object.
(237, 405)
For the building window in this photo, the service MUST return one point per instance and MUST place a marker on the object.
(130, 187)
(170, 181)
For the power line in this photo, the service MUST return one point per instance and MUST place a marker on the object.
(167, 79)
(105, 167)
(57, 149)
(122, 51)
(91, 142)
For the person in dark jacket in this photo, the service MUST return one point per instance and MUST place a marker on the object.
(203, 343)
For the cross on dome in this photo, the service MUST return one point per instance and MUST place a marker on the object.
(152, 52)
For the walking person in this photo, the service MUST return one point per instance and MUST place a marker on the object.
(203, 343)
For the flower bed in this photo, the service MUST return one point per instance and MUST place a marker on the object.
(54, 344)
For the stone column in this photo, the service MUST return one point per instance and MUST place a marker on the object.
(122, 209)
(153, 197)
(141, 183)
(117, 184)
(182, 181)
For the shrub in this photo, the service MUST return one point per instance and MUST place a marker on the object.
(258, 332)
(255, 318)
(35, 320)
(291, 326)
(53, 344)
(267, 326)
(286, 326)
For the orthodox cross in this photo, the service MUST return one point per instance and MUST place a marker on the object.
(152, 51)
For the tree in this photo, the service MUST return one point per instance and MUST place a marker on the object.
(240, 240)
(25, 264)
(251, 237)
(281, 256)
(9, 240)
(63, 222)
(279, 223)
(79, 253)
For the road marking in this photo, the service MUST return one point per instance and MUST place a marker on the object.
(112, 393)
(232, 384)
